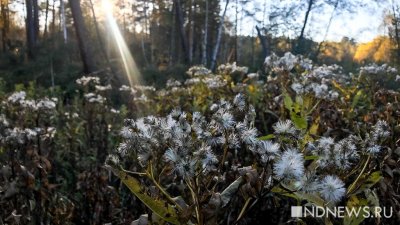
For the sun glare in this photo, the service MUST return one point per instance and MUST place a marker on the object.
(129, 63)
(107, 6)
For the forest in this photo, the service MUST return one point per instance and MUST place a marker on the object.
(199, 112)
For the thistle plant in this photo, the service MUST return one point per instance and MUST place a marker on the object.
(224, 148)
(196, 163)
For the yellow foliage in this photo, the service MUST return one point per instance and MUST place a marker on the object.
(333, 52)
(378, 50)
(383, 52)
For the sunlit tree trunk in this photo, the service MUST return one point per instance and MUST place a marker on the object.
(99, 38)
(235, 52)
(142, 45)
(192, 10)
(46, 19)
(219, 36)
(82, 36)
(144, 33)
(205, 37)
(6, 24)
(62, 21)
(149, 31)
(53, 22)
(172, 50)
(396, 22)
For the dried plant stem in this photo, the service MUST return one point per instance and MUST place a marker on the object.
(150, 175)
(195, 201)
(359, 175)
(244, 209)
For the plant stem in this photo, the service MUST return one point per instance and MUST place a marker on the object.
(195, 201)
(150, 175)
(359, 175)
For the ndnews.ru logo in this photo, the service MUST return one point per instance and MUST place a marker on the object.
(341, 212)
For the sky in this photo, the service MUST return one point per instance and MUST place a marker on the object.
(362, 25)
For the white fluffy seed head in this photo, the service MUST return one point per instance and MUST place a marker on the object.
(284, 127)
(290, 165)
(332, 188)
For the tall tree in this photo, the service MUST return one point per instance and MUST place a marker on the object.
(394, 31)
(300, 40)
(172, 52)
(99, 37)
(181, 27)
(46, 18)
(263, 42)
(327, 30)
(30, 28)
(62, 21)
(36, 25)
(205, 36)
(82, 36)
(219, 36)
(5, 23)
(53, 12)
(192, 10)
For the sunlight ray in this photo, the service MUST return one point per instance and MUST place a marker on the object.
(130, 67)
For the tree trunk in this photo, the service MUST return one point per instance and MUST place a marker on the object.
(53, 11)
(326, 31)
(263, 42)
(172, 49)
(36, 19)
(147, 33)
(6, 24)
(30, 29)
(99, 38)
(300, 40)
(219, 36)
(191, 31)
(205, 37)
(396, 21)
(62, 21)
(253, 58)
(46, 18)
(82, 36)
(235, 53)
(180, 23)
(143, 48)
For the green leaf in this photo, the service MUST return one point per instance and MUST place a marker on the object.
(354, 203)
(283, 192)
(164, 210)
(311, 198)
(308, 102)
(372, 179)
(357, 98)
(314, 127)
(298, 117)
(311, 157)
(299, 121)
(287, 101)
(267, 137)
(295, 109)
